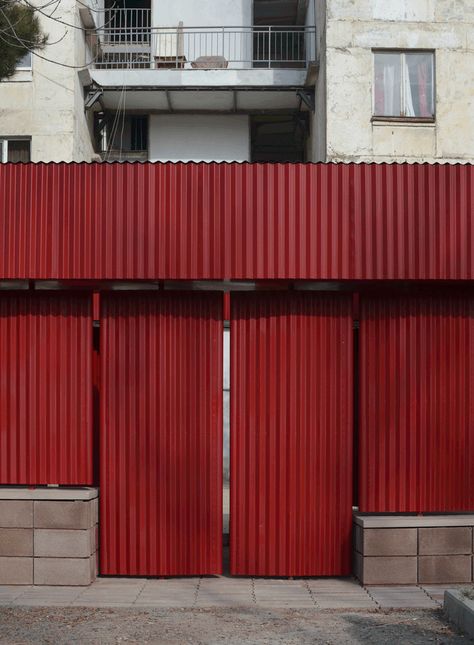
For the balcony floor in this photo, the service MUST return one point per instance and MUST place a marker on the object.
(201, 90)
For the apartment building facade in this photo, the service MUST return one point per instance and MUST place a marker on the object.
(261, 80)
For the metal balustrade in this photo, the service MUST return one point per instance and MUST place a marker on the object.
(128, 41)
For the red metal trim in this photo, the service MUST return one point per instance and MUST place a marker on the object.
(291, 434)
(161, 434)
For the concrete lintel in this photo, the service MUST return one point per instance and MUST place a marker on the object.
(413, 521)
(49, 494)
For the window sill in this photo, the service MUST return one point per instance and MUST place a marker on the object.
(20, 76)
(403, 120)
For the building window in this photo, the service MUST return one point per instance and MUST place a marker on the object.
(25, 62)
(404, 85)
(13, 150)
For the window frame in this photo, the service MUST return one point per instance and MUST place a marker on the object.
(4, 147)
(401, 118)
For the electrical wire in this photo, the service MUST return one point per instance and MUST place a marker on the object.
(63, 22)
(23, 45)
(115, 123)
(123, 122)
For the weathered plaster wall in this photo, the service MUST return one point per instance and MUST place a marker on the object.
(83, 121)
(43, 104)
(353, 29)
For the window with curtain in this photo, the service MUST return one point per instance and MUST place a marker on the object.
(404, 84)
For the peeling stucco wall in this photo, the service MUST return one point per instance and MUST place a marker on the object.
(353, 29)
(46, 104)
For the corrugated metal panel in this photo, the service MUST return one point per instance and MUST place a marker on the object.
(170, 221)
(236, 221)
(413, 222)
(45, 389)
(417, 404)
(161, 434)
(291, 434)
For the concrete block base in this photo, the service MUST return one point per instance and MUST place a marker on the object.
(409, 549)
(48, 536)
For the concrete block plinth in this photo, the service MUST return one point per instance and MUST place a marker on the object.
(16, 542)
(16, 513)
(388, 570)
(437, 569)
(65, 543)
(63, 515)
(445, 541)
(421, 549)
(16, 571)
(64, 571)
(48, 536)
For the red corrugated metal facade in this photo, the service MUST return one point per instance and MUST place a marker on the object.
(236, 221)
(344, 226)
(45, 389)
(417, 403)
(291, 434)
(161, 434)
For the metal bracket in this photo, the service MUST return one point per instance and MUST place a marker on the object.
(92, 97)
(307, 97)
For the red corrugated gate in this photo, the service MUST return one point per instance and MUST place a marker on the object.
(45, 389)
(417, 403)
(291, 434)
(161, 434)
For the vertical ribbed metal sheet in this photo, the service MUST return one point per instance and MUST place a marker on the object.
(413, 222)
(174, 221)
(236, 221)
(45, 389)
(291, 434)
(161, 434)
(417, 403)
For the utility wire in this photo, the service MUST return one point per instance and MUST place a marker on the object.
(23, 44)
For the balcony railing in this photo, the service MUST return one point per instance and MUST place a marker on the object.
(129, 42)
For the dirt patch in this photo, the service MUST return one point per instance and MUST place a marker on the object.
(231, 626)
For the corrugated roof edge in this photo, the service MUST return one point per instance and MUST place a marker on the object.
(238, 163)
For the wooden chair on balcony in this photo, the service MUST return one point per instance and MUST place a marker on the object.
(169, 52)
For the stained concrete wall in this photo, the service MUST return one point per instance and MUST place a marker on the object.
(353, 29)
(46, 104)
(198, 137)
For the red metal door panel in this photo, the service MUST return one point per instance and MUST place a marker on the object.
(291, 434)
(161, 434)
(45, 389)
(417, 404)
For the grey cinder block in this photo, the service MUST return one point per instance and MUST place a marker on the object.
(16, 514)
(16, 571)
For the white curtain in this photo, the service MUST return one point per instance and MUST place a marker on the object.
(409, 109)
(389, 90)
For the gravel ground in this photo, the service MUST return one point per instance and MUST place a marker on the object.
(231, 626)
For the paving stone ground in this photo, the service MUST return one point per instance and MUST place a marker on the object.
(208, 592)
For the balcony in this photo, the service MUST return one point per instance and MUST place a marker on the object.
(134, 55)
